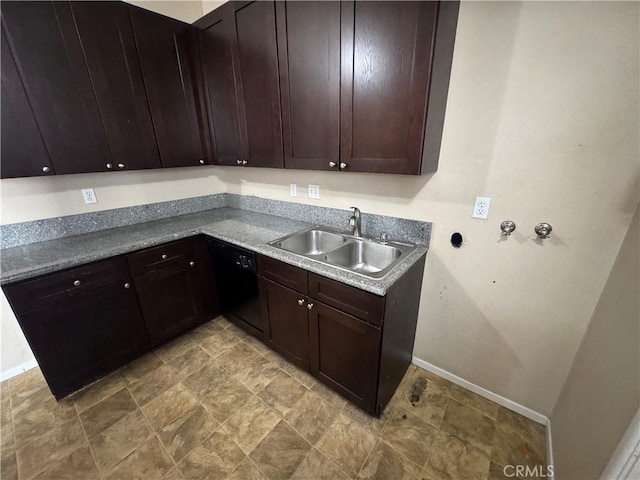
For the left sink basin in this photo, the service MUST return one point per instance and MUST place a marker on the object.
(311, 242)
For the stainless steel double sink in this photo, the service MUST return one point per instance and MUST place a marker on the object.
(355, 254)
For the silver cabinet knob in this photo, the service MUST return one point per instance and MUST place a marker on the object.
(239, 162)
(507, 227)
(164, 256)
(46, 169)
(343, 165)
(109, 165)
(201, 161)
(244, 162)
(301, 302)
(543, 230)
(77, 283)
(309, 306)
(127, 285)
(332, 164)
(191, 264)
(121, 165)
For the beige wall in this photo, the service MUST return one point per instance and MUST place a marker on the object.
(186, 10)
(602, 392)
(543, 117)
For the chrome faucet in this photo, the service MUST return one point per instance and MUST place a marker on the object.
(355, 223)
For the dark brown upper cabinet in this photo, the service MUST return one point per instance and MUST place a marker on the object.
(309, 61)
(43, 41)
(22, 149)
(109, 48)
(239, 56)
(165, 56)
(396, 62)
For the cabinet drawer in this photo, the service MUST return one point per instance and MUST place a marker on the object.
(283, 273)
(42, 290)
(156, 257)
(360, 304)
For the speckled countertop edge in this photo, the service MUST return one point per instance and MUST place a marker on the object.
(247, 229)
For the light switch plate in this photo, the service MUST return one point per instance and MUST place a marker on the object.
(481, 207)
(89, 195)
(314, 191)
(293, 190)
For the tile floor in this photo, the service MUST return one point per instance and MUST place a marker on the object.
(218, 404)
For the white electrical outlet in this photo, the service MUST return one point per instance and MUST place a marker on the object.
(293, 190)
(481, 207)
(314, 191)
(89, 195)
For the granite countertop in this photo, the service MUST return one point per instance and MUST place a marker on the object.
(243, 228)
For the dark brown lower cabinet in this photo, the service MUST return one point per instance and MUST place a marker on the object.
(80, 327)
(177, 289)
(287, 329)
(345, 354)
(357, 343)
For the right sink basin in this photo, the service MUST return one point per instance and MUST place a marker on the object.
(364, 257)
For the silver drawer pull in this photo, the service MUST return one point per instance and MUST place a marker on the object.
(121, 165)
(77, 283)
(301, 302)
(343, 165)
(201, 162)
(46, 169)
(191, 264)
(164, 256)
(109, 165)
(239, 162)
(332, 164)
(244, 162)
(309, 306)
(127, 285)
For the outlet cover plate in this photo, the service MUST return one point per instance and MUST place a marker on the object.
(314, 191)
(481, 207)
(89, 195)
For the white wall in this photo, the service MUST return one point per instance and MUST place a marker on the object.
(186, 10)
(602, 392)
(543, 117)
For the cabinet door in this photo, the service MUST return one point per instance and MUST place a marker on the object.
(163, 48)
(110, 52)
(77, 339)
(286, 323)
(220, 86)
(309, 61)
(257, 61)
(345, 354)
(386, 58)
(43, 40)
(169, 301)
(205, 283)
(22, 149)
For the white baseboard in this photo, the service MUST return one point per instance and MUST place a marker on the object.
(494, 397)
(625, 461)
(18, 369)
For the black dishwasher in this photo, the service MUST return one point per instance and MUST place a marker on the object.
(237, 280)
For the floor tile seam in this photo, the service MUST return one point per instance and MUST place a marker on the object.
(26, 444)
(477, 410)
(438, 430)
(330, 459)
(402, 455)
(173, 419)
(313, 447)
(177, 463)
(263, 387)
(155, 434)
(86, 438)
